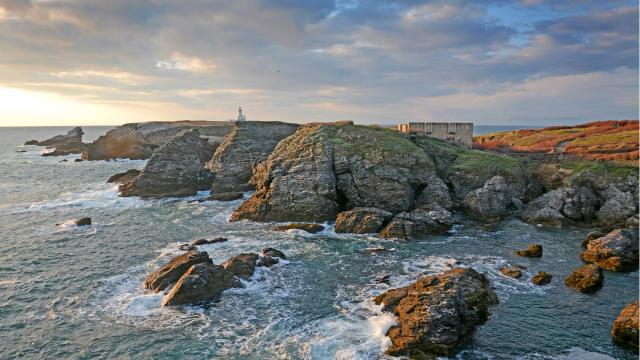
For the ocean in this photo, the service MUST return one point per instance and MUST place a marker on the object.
(76, 292)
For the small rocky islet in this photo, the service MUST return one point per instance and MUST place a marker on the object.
(375, 181)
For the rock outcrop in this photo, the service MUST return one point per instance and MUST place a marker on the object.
(83, 221)
(437, 313)
(247, 144)
(491, 200)
(242, 265)
(70, 143)
(616, 251)
(617, 208)
(201, 282)
(174, 169)
(586, 279)
(310, 228)
(124, 177)
(562, 207)
(513, 272)
(625, 330)
(362, 220)
(321, 170)
(533, 251)
(173, 270)
(418, 224)
(541, 278)
(139, 140)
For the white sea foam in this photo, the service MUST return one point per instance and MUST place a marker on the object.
(574, 353)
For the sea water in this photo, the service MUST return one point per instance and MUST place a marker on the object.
(76, 292)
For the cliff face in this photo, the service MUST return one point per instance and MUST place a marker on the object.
(247, 144)
(138, 140)
(321, 170)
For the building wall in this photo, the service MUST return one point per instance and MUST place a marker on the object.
(455, 132)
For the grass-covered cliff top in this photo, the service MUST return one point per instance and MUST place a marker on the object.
(604, 140)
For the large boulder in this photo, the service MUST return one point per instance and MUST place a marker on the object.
(625, 330)
(418, 224)
(491, 200)
(322, 169)
(362, 220)
(247, 144)
(201, 282)
(617, 208)
(70, 143)
(435, 194)
(562, 207)
(616, 251)
(174, 169)
(139, 140)
(125, 177)
(437, 313)
(173, 270)
(586, 279)
(242, 265)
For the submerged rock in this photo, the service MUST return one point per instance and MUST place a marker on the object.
(248, 143)
(124, 177)
(267, 261)
(491, 200)
(616, 251)
(562, 207)
(174, 169)
(625, 330)
(209, 241)
(242, 265)
(201, 282)
(512, 271)
(362, 220)
(586, 279)
(310, 228)
(226, 196)
(273, 253)
(437, 313)
(533, 251)
(418, 224)
(541, 278)
(173, 270)
(83, 221)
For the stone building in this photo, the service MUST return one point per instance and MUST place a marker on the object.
(461, 133)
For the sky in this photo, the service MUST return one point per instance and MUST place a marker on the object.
(516, 62)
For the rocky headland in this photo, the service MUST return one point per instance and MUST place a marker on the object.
(69, 143)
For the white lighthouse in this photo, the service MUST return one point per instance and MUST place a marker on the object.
(241, 117)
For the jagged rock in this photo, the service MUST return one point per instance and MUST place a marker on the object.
(437, 313)
(632, 222)
(273, 253)
(248, 143)
(83, 221)
(362, 220)
(616, 251)
(242, 265)
(512, 271)
(227, 196)
(418, 224)
(124, 177)
(586, 279)
(310, 228)
(618, 207)
(489, 201)
(187, 247)
(139, 140)
(541, 278)
(625, 327)
(434, 195)
(70, 143)
(561, 207)
(201, 282)
(319, 170)
(173, 270)
(174, 169)
(533, 251)
(209, 241)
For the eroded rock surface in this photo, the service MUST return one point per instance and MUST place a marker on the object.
(533, 251)
(491, 200)
(418, 224)
(124, 177)
(173, 270)
(242, 265)
(616, 251)
(201, 282)
(586, 279)
(625, 330)
(562, 207)
(70, 143)
(438, 312)
(541, 278)
(174, 169)
(362, 220)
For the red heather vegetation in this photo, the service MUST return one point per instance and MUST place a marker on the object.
(612, 140)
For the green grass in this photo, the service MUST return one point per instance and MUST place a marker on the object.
(599, 168)
(481, 162)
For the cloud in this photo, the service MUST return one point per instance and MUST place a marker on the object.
(178, 61)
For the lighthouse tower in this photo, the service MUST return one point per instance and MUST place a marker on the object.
(241, 117)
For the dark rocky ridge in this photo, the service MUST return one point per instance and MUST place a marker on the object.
(70, 143)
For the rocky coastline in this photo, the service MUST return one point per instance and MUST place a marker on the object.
(375, 181)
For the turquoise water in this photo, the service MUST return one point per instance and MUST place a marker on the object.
(68, 292)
